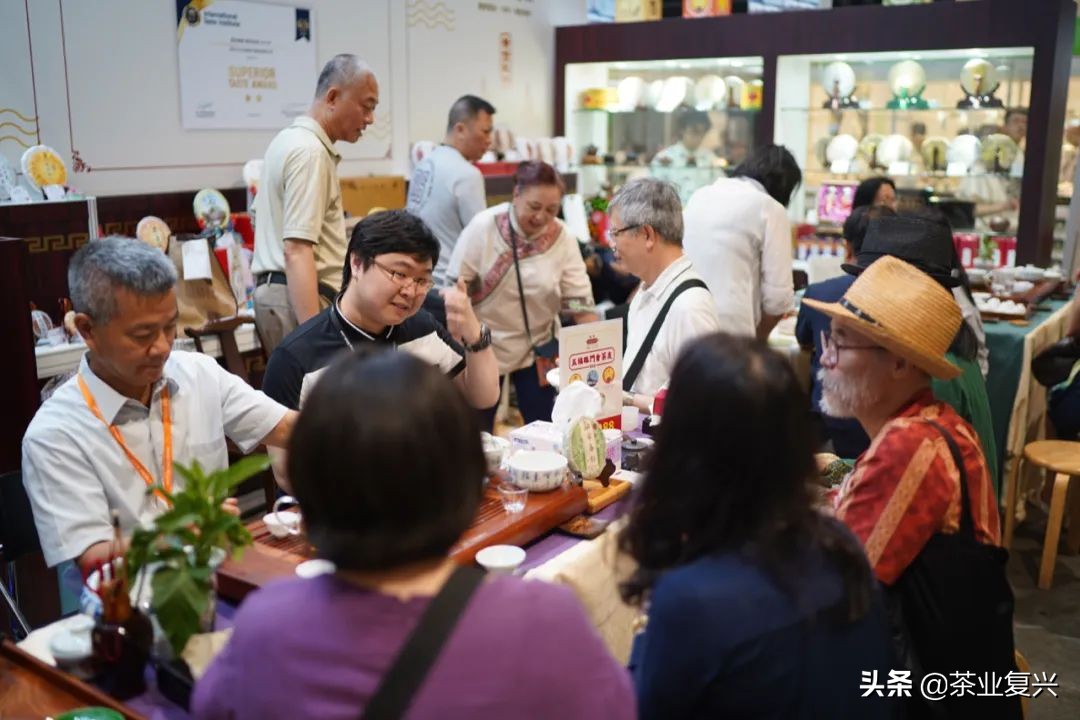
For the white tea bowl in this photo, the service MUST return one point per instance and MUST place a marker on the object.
(537, 470)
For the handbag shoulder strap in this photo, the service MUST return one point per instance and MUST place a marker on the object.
(646, 345)
(521, 287)
(411, 667)
(967, 525)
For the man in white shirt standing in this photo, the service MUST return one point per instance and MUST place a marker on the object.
(445, 189)
(134, 408)
(739, 237)
(673, 306)
(299, 222)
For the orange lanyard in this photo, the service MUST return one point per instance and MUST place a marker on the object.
(166, 420)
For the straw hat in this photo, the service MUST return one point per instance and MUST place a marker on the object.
(904, 310)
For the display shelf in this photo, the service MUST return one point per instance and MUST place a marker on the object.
(630, 168)
(810, 175)
(975, 152)
(691, 112)
(645, 110)
(942, 36)
(896, 111)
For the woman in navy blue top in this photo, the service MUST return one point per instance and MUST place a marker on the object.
(757, 605)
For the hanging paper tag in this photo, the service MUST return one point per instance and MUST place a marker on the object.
(196, 260)
(54, 192)
(576, 220)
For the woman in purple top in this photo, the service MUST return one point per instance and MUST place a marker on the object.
(386, 462)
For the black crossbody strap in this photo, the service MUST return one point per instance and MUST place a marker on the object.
(411, 667)
(521, 287)
(646, 346)
(967, 525)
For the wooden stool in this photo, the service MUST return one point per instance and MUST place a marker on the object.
(1023, 667)
(1061, 457)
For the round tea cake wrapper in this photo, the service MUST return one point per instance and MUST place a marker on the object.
(154, 231)
(43, 166)
(867, 149)
(8, 177)
(841, 148)
(998, 152)
(211, 208)
(979, 77)
(935, 150)
(907, 78)
(42, 323)
(585, 449)
(964, 149)
(838, 77)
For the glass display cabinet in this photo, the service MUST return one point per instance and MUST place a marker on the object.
(686, 121)
(923, 98)
(948, 126)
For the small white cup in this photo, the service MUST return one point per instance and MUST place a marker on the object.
(630, 418)
(282, 523)
(501, 559)
(315, 568)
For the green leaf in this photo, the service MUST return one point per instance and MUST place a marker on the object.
(223, 483)
(182, 585)
(173, 521)
(180, 601)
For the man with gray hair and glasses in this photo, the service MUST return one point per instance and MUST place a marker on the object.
(672, 306)
(133, 408)
(300, 236)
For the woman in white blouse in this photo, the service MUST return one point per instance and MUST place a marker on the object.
(739, 239)
(522, 268)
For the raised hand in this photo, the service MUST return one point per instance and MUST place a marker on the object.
(460, 319)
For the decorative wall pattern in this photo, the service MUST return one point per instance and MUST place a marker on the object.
(431, 14)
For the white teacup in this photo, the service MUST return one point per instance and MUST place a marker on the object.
(495, 451)
(501, 559)
(282, 523)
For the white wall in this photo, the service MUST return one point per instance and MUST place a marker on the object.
(110, 65)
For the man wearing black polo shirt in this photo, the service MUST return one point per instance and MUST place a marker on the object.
(387, 273)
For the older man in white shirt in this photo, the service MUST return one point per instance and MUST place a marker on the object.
(112, 432)
(672, 306)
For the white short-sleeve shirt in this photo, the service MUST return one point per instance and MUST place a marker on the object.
(739, 239)
(692, 315)
(76, 473)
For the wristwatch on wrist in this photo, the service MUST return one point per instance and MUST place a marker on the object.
(482, 344)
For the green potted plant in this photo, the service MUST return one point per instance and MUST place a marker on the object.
(186, 543)
(987, 246)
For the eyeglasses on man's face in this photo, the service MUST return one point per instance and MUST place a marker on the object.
(403, 280)
(830, 349)
(613, 233)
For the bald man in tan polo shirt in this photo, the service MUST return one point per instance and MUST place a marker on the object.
(300, 239)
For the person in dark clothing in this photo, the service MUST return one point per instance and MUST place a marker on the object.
(847, 436)
(758, 605)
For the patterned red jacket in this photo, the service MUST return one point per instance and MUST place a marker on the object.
(906, 487)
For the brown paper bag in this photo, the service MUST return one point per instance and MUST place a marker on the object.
(200, 301)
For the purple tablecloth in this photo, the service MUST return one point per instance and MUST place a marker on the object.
(155, 706)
